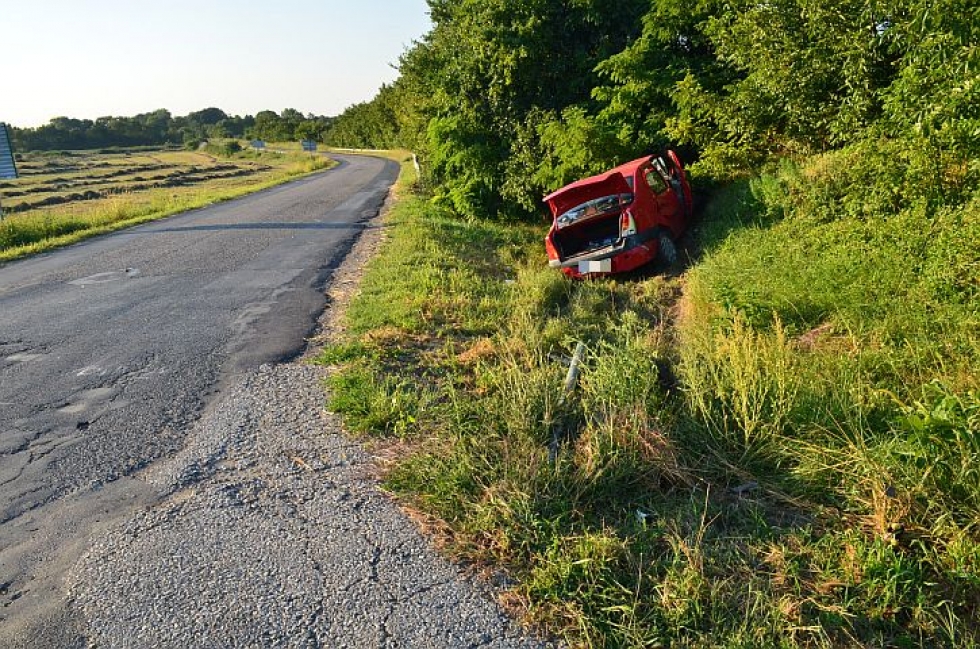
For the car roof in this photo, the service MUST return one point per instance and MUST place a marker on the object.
(613, 179)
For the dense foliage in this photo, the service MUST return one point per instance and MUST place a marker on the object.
(779, 446)
(160, 127)
(506, 99)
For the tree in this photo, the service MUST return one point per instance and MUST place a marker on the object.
(207, 116)
(147, 129)
(268, 127)
(787, 76)
(498, 70)
(309, 129)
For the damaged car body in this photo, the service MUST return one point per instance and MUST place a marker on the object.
(620, 220)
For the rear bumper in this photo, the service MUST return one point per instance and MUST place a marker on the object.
(625, 255)
(593, 255)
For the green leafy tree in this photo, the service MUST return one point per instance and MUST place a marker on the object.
(787, 76)
(308, 130)
(507, 99)
(207, 116)
(289, 121)
(935, 94)
(368, 125)
(268, 127)
(495, 71)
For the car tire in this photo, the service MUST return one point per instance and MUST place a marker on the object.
(666, 249)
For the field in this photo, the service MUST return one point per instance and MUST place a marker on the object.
(64, 196)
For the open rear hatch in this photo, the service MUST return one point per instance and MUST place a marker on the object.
(587, 217)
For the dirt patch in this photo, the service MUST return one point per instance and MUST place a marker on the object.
(346, 281)
(481, 349)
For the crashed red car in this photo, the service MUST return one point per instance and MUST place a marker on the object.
(619, 220)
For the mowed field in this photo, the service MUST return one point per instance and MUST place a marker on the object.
(64, 196)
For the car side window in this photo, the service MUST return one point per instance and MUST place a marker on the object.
(655, 181)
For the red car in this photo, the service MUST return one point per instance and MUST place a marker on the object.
(619, 220)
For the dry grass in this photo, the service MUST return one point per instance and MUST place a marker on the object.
(61, 199)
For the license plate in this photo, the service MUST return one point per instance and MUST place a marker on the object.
(595, 266)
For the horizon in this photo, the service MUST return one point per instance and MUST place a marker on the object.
(172, 114)
(111, 59)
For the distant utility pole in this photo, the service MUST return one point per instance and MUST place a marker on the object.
(8, 167)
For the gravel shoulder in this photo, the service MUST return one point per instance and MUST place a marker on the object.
(272, 532)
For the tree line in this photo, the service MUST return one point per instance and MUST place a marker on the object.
(161, 128)
(507, 99)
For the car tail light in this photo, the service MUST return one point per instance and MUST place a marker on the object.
(550, 249)
(627, 225)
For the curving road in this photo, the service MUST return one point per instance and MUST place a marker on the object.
(125, 480)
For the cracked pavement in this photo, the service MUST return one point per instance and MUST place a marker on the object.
(165, 481)
(275, 534)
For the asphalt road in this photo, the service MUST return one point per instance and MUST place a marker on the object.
(148, 497)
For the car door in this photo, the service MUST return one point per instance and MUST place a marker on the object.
(667, 208)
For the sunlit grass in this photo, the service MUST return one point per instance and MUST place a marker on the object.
(119, 205)
(750, 458)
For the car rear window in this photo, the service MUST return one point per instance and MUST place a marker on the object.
(595, 207)
(655, 181)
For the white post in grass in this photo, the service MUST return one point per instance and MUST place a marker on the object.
(571, 380)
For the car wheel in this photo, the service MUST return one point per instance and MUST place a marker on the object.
(666, 249)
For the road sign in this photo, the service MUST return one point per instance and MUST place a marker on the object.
(309, 145)
(8, 168)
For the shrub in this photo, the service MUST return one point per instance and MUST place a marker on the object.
(227, 148)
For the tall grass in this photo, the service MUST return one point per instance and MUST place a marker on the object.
(777, 449)
(866, 400)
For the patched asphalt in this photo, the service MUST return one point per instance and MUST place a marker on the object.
(275, 534)
(169, 479)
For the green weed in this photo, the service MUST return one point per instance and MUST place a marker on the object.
(776, 450)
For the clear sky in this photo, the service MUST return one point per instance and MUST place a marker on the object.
(91, 58)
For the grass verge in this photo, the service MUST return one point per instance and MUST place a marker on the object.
(778, 448)
(33, 231)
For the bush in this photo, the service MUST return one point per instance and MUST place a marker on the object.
(226, 149)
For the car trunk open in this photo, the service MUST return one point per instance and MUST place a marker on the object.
(600, 234)
(587, 216)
